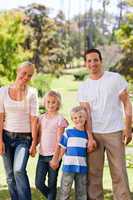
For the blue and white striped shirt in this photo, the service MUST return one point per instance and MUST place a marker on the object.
(75, 143)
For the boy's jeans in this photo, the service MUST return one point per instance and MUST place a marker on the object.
(80, 186)
(15, 160)
(43, 168)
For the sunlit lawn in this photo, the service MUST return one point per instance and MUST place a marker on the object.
(67, 87)
(37, 196)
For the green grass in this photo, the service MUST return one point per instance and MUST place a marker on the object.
(130, 145)
(68, 89)
(74, 70)
(37, 196)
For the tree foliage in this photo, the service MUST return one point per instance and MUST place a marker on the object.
(52, 43)
(46, 39)
(125, 38)
(12, 35)
(29, 33)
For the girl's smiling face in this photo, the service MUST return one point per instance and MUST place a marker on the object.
(51, 103)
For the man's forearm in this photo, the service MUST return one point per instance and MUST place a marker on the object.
(128, 123)
(128, 116)
(89, 127)
(89, 122)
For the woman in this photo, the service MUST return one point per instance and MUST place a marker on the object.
(18, 136)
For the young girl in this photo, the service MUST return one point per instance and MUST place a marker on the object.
(51, 126)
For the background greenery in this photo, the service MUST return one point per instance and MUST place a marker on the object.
(57, 43)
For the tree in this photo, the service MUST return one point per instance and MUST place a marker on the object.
(105, 3)
(124, 36)
(90, 35)
(12, 35)
(44, 39)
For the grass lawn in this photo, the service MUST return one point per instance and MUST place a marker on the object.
(68, 88)
(37, 196)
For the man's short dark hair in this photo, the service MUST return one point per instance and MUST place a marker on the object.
(93, 51)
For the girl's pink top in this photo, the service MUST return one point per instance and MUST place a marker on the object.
(49, 126)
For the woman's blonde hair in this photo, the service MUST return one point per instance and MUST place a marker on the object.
(26, 64)
(55, 94)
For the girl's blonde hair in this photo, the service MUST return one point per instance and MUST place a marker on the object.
(55, 94)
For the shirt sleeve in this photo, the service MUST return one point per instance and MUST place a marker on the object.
(34, 103)
(63, 123)
(63, 140)
(2, 110)
(81, 94)
(121, 84)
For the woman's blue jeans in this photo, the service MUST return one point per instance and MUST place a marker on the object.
(44, 169)
(15, 161)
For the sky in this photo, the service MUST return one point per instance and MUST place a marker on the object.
(70, 7)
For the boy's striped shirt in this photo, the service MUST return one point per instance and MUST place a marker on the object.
(75, 143)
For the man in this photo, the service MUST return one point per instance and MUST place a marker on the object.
(104, 93)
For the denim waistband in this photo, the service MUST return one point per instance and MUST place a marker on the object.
(18, 134)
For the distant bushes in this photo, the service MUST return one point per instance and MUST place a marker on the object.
(41, 109)
(79, 76)
(42, 83)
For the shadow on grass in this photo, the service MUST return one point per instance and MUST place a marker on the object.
(4, 195)
(109, 196)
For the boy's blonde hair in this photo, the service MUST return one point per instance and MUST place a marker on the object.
(55, 94)
(78, 109)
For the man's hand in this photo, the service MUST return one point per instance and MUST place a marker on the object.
(127, 136)
(92, 145)
(2, 148)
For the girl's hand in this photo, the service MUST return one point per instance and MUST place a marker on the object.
(2, 148)
(54, 164)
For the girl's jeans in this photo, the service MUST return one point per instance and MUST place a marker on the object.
(15, 161)
(43, 168)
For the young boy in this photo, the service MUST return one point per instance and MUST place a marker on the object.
(74, 145)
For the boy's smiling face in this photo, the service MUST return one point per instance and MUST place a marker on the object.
(79, 120)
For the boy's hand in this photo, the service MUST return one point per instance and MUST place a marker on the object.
(54, 164)
(92, 145)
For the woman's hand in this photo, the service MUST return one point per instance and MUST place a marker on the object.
(32, 150)
(2, 147)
